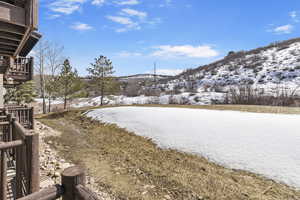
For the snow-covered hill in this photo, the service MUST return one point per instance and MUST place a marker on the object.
(270, 67)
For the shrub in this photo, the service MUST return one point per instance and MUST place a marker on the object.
(248, 95)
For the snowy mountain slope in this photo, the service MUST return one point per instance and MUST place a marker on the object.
(267, 67)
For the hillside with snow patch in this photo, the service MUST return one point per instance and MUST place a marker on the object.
(142, 77)
(270, 67)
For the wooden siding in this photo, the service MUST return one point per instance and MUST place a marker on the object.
(11, 13)
(18, 23)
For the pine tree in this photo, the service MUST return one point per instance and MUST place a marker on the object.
(21, 94)
(101, 73)
(69, 82)
(51, 87)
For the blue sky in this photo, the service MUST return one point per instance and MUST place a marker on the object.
(176, 34)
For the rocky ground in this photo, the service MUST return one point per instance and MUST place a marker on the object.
(52, 165)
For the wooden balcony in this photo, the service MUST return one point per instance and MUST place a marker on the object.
(19, 71)
(18, 23)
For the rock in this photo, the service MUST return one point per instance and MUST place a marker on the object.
(138, 171)
(65, 165)
(56, 174)
(47, 150)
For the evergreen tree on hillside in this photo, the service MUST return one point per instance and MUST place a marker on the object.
(68, 82)
(101, 73)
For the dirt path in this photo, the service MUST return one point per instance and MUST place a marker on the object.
(131, 167)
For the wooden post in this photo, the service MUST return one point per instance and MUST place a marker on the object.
(13, 136)
(9, 134)
(50, 193)
(19, 162)
(84, 193)
(31, 117)
(3, 175)
(31, 64)
(1, 91)
(32, 154)
(70, 178)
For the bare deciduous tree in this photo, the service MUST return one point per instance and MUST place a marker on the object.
(54, 62)
(40, 67)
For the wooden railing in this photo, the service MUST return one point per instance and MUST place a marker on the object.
(4, 61)
(20, 149)
(72, 188)
(23, 114)
(20, 70)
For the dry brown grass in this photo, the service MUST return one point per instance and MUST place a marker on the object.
(242, 108)
(132, 167)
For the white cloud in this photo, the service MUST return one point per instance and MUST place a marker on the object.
(127, 2)
(127, 22)
(120, 20)
(98, 2)
(132, 19)
(132, 12)
(166, 3)
(154, 21)
(293, 14)
(168, 72)
(81, 26)
(66, 6)
(55, 16)
(129, 54)
(190, 51)
(285, 29)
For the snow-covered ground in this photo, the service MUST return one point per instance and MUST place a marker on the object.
(203, 98)
(53, 102)
(267, 144)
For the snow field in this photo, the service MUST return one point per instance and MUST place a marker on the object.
(266, 144)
